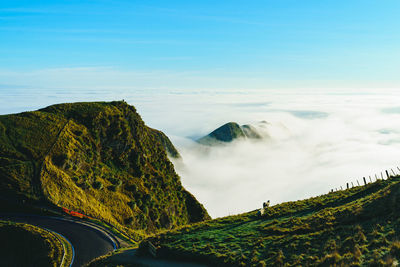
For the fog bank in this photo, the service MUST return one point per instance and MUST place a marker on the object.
(319, 139)
(316, 144)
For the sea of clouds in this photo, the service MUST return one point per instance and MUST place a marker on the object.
(320, 140)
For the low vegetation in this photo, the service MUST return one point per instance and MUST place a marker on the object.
(229, 132)
(99, 159)
(358, 226)
(28, 245)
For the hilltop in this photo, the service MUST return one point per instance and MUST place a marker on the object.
(229, 132)
(353, 227)
(96, 158)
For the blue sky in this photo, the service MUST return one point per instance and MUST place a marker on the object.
(190, 66)
(209, 44)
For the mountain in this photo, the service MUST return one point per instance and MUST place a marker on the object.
(229, 132)
(96, 158)
(166, 143)
(359, 226)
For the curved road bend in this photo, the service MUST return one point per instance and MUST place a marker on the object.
(88, 242)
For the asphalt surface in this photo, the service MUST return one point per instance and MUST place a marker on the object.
(88, 242)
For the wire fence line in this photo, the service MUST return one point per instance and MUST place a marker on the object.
(384, 175)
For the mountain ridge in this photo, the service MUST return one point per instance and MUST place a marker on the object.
(98, 158)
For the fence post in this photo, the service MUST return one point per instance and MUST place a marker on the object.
(347, 185)
(341, 188)
(365, 181)
(376, 177)
(370, 179)
(393, 172)
(387, 174)
(352, 185)
(358, 183)
(382, 176)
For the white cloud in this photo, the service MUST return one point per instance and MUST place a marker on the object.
(359, 135)
(318, 155)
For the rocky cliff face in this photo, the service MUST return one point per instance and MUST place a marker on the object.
(97, 158)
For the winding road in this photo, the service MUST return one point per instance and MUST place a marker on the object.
(89, 242)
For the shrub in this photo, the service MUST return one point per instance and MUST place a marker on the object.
(84, 185)
(331, 259)
(133, 188)
(78, 132)
(115, 181)
(59, 160)
(132, 204)
(112, 188)
(148, 198)
(395, 249)
(145, 210)
(330, 246)
(279, 258)
(97, 185)
(128, 220)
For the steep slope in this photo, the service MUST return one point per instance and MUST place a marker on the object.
(358, 226)
(167, 144)
(96, 158)
(229, 132)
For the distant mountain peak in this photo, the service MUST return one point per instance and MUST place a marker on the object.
(229, 132)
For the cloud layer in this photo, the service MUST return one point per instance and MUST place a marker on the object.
(320, 139)
(318, 144)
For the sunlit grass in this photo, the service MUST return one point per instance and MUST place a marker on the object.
(359, 226)
(99, 159)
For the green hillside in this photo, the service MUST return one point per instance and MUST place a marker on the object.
(96, 158)
(358, 226)
(229, 132)
(226, 133)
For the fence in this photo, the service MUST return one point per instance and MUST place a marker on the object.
(380, 176)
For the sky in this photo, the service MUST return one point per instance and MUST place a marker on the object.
(192, 45)
(323, 73)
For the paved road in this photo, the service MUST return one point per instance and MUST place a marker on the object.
(88, 242)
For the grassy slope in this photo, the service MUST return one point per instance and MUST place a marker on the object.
(28, 245)
(96, 158)
(359, 226)
(25, 139)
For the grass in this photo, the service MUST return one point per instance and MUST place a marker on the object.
(99, 159)
(28, 245)
(120, 257)
(68, 250)
(358, 226)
